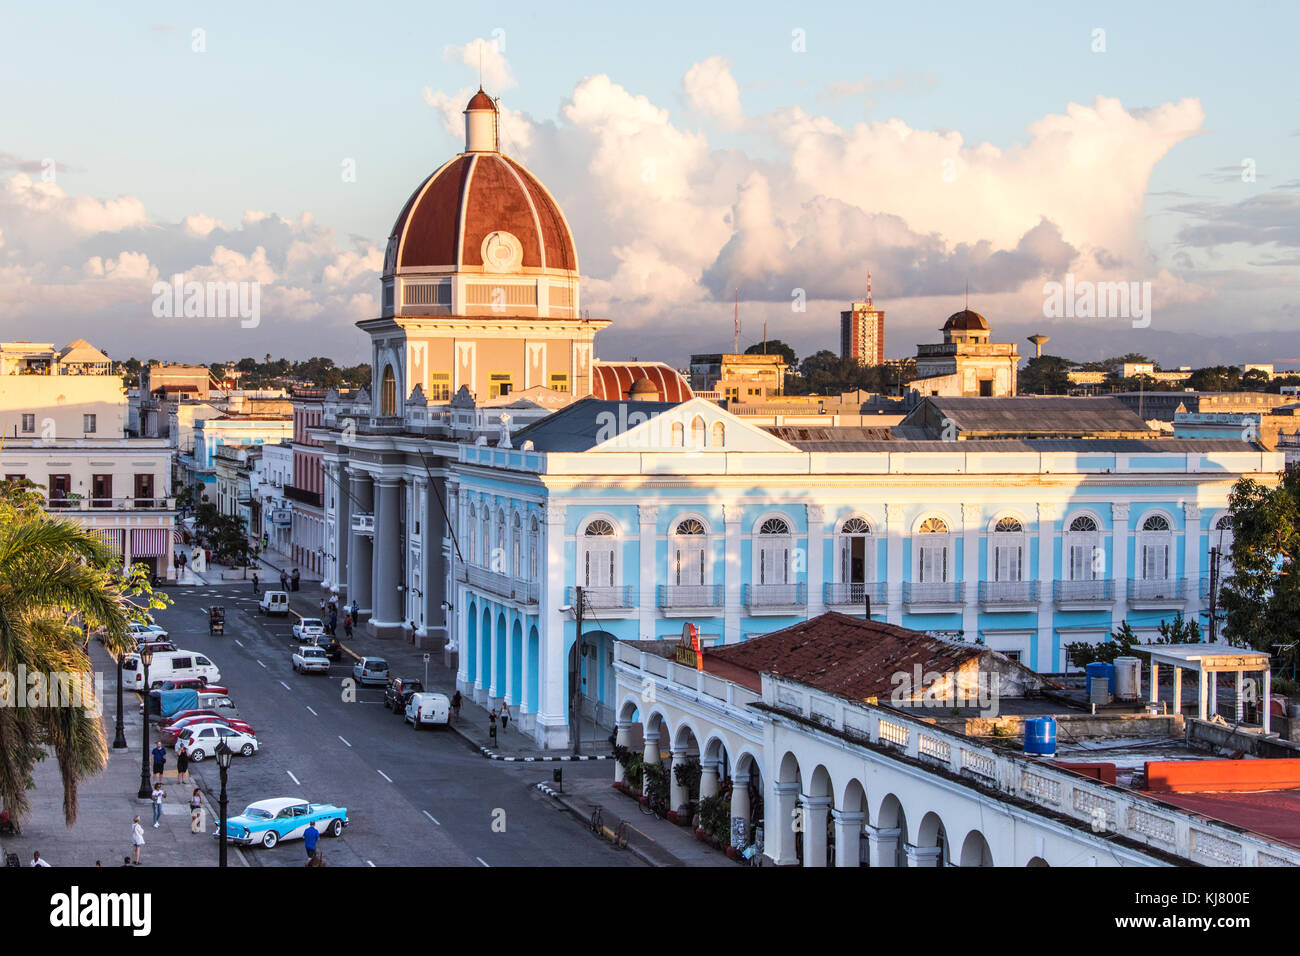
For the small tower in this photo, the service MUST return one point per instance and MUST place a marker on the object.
(1039, 339)
(481, 124)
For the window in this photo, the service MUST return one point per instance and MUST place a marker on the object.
(499, 556)
(932, 552)
(1084, 557)
(533, 540)
(857, 552)
(560, 381)
(1008, 551)
(388, 393)
(1156, 548)
(677, 435)
(697, 432)
(773, 566)
(101, 491)
(598, 570)
(499, 383)
(143, 491)
(59, 487)
(485, 541)
(440, 386)
(88, 424)
(29, 423)
(471, 532)
(719, 434)
(516, 546)
(686, 553)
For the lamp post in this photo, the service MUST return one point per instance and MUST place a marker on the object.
(224, 753)
(146, 657)
(119, 739)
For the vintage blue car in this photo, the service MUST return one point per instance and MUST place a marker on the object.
(283, 818)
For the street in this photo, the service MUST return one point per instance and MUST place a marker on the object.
(413, 798)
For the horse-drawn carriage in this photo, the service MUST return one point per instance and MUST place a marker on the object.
(216, 620)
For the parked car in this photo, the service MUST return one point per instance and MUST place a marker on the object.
(273, 603)
(193, 683)
(201, 740)
(147, 632)
(219, 715)
(283, 818)
(167, 665)
(308, 628)
(169, 734)
(310, 658)
(370, 670)
(427, 709)
(399, 691)
(155, 646)
(332, 648)
(218, 702)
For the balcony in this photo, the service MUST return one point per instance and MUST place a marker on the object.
(775, 599)
(502, 585)
(854, 594)
(78, 503)
(1151, 595)
(617, 601)
(934, 597)
(363, 523)
(687, 599)
(1008, 595)
(1083, 595)
(302, 495)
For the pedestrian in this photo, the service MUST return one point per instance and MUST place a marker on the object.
(196, 812)
(284, 580)
(255, 582)
(347, 626)
(99, 863)
(505, 715)
(492, 721)
(295, 578)
(36, 859)
(126, 861)
(157, 797)
(455, 705)
(309, 838)
(159, 761)
(182, 763)
(137, 839)
(334, 623)
(356, 611)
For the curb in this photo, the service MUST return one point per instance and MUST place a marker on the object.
(569, 807)
(567, 758)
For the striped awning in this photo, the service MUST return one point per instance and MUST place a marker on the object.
(113, 537)
(150, 542)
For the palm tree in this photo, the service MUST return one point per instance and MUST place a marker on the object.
(57, 583)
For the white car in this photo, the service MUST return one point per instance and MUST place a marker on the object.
(147, 632)
(309, 657)
(308, 629)
(201, 741)
(428, 709)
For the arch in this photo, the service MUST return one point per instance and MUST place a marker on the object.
(628, 710)
(853, 797)
(598, 552)
(531, 700)
(1037, 861)
(485, 656)
(819, 783)
(789, 769)
(1008, 522)
(697, 432)
(932, 522)
(716, 751)
(678, 435)
(719, 436)
(471, 519)
(499, 656)
(471, 643)
(599, 526)
(891, 816)
(774, 524)
(1008, 548)
(932, 834)
(388, 392)
(933, 553)
(1083, 522)
(686, 738)
(855, 523)
(975, 850)
(516, 664)
(1156, 521)
(855, 547)
(690, 524)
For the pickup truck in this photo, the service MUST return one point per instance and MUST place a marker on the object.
(309, 657)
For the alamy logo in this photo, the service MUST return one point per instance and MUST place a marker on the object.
(208, 300)
(59, 689)
(1100, 300)
(947, 690)
(76, 909)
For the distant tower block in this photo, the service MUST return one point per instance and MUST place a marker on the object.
(1039, 339)
(862, 331)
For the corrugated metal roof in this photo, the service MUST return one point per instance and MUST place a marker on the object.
(582, 425)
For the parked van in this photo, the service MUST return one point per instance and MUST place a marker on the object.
(428, 709)
(273, 603)
(218, 702)
(165, 666)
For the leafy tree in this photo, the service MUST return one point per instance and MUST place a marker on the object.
(1083, 653)
(774, 347)
(1262, 594)
(1179, 631)
(1045, 375)
(1215, 378)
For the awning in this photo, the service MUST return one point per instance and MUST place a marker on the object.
(150, 542)
(113, 537)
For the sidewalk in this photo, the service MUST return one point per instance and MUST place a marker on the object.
(107, 802)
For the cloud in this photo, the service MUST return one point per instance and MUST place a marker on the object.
(1270, 219)
(712, 91)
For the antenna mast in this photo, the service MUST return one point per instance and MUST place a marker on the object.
(735, 345)
(869, 290)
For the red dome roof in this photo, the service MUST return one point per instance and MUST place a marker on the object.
(447, 218)
(614, 381)
(966, 321)
(481, 101)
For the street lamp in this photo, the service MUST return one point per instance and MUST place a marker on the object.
(119, 740)
(224, 753)
(146, 658)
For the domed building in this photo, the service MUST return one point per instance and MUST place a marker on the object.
(966, 364)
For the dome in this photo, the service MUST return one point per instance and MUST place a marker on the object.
(965, 321)
(481, 101)
(646, 381)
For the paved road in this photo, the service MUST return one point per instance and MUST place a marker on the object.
(414, 798)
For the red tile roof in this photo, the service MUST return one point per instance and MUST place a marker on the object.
(611, 381)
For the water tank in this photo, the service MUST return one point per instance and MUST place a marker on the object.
(1097, 671)
(1128, 678)
(1040, 736)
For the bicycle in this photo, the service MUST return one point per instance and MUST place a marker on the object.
(654, 806)
(620, 836)
(598, 821)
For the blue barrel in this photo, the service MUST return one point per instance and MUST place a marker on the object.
(1098, 670)
(1040, 736)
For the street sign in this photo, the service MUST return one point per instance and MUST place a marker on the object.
(426, 658)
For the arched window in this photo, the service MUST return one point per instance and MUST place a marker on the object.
(719, 434)
(1085, 560)
(697, 432)
(534, 540)
(773, 564)
(598, 560)
(485, 539)
(388, 393)
(932, 552)
(1156, 549)
(687, 553)
(516, 546)
(677, 435)
(499, 555)
(857, 554)
(470, 532)
(1007, 557)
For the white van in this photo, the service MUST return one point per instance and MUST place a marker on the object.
(428, 709)
(168, 665)
(274, 602)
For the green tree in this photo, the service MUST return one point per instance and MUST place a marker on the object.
(1261, 596)
(774, 347)
(1045, 375)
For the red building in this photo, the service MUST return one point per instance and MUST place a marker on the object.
(862, 332)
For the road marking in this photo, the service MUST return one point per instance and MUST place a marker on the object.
(260, 664)
(239, 642)
(293, 778)
(370, 862)
(481, 860)
(285, 686)
(430, 816)
(385, 776)
(313, 713)
(341, 737)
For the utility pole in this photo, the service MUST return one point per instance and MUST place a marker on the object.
(1214, 595)
(576, 675)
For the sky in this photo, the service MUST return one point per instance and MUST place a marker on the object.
(779, 149)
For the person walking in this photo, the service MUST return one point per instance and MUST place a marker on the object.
(455, 705)
(505, 715)
(256, 581)
(36, 859)
(284, 581)
(182, 763)
(492, 722)
(196, 812)
(334, 623)
(294, 578)
(309, 838)
(157, 797)
(347, 626)
(159, 755)
(356, 612)
(137, 840)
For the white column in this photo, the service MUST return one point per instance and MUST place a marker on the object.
(1178, 690)
(884, 845)
(622, 738)
(1241, 686)
(848, 837)
(1267, 701)
(1155, 682)
(814, 830)
(1047, 515)
(708, 779)
(971, 543)
(816, 559)
(646, 557)
(926, 856)
(1192, 560)
(649, 755)
(732, 591)
(739, 810)
(1214, 692)
(1119, 559)
(1202, 688)
(778, 833)
(553, 708)
(679, 796)
(894, 562)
